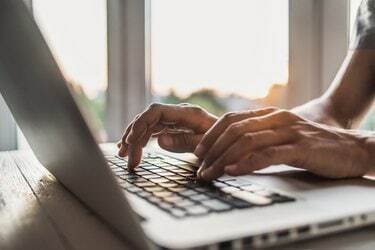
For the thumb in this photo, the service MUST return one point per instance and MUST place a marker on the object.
(179, 143)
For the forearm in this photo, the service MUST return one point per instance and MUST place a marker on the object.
(350, 95)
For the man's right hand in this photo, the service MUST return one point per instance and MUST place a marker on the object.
(179, 128)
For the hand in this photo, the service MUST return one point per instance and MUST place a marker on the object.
(179, 128)
(240, 143)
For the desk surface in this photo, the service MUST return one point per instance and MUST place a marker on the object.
(36, 212)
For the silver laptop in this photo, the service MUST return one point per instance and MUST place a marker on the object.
(161, 205)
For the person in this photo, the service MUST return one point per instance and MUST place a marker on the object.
(318, 136)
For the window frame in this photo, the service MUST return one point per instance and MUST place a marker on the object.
(319, 39)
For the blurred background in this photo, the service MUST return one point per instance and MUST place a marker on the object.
(222, 55)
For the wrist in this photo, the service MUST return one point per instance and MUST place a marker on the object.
(369, 146)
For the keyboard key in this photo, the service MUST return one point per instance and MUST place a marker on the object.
(177, 212)
(188, 167)
(168, 184)
(173, 199)
(166, 174)
(196, 210)
(184, 203)
(140, 180)
(141, 172)
(134, 189)
(171, 168)
(189, 192)
(155, 200)
(150, 176)
(183, 182)
(163, 194)
(187, 174)
(199, 197)
(252, 188)
(125, 185)
(226, 178)
(160, 180)
(158, 171)
(154, 189)
(178, 189)
(149, 167)
(252, 198)
(181, 171)
(165, 205)
(229, 189)
(145, 184)
(219, 184)
(176, 178)
(216, 205)
(143, 194)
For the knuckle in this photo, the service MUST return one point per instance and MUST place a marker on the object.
(255, 160)
(284, 112)
(228, 117)
(271, 109)
(247, 138)
(196, 109)
(288, 116)
(234, 129)
(154, 105)
(254, 121)
(269, 152)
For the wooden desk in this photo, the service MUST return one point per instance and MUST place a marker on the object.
(36, 212)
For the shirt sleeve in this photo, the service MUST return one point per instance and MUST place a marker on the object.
(363, 36)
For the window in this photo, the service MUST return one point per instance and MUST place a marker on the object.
(369, 121)
(76, 32)
(223, 55)
(354, 5)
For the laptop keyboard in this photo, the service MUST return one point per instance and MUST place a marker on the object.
(170, 184)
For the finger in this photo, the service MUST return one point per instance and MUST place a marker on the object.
(135, 155)
(179, 115)
(234, 131)
(284, 154)
(123, 147)
(247, 144)
(179, 143)
(222, 124)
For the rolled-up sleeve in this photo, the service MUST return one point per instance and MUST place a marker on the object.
(363, 36)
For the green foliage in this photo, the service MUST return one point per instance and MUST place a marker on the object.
(93, 109)
(369, 121)
(205, 98)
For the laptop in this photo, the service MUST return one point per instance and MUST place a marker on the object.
(161, 205)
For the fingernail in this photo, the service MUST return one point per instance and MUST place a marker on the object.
(130, 167)
(199, 172)
(204, 174)
(199, 150)
(122, 151)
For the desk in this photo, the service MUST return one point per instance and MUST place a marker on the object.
(36, 212)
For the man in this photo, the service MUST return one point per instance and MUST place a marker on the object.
(316, 136)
